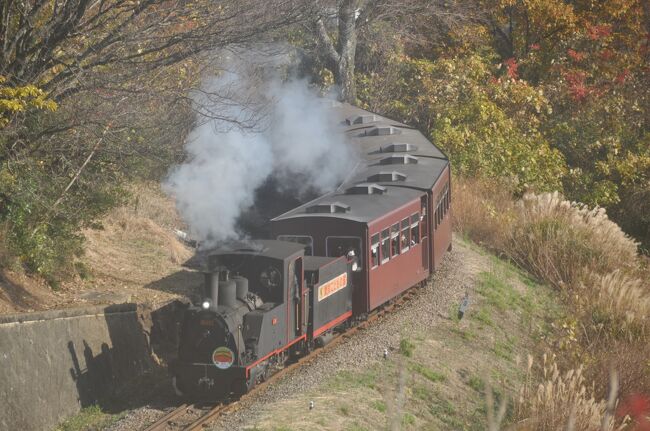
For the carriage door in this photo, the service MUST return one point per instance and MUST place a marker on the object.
(424, 231)
(295, 296)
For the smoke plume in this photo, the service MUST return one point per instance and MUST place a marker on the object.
(247, 130)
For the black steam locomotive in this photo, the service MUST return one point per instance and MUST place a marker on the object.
(332, 261)
(262, 305)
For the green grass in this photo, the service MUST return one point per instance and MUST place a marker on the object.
(476, 383)
(408, 419)
(464, 334)
(406, 347)
(428, 373)
(453, 312)
(346, 379)
(423, 393)
(89, 418)
(503, 349)
(442, 406)
(483, 316)
(380, 406)
(497, 292)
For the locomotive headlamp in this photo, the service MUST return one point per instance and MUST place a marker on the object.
(355, 266)
(206, 304)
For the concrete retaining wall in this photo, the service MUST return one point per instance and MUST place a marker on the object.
(53, 363)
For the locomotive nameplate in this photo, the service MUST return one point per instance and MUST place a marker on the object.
(332, 286)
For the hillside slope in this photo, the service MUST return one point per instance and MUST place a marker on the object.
(132, 255)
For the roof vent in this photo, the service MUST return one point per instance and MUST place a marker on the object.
(366, 189)
(381, 131)
(361, 119)
(328, 208)
(399, 160)
(385, 177)
(398, 147)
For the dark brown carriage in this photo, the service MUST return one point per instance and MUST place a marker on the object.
(392, 211)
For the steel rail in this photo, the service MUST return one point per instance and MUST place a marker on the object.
(162, 423)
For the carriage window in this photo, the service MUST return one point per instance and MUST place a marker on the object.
(415, 229)
(305, 240)
(385, 245)
(447, 200)
(394, 239)
(374, 251)
(406, 235)
(423, 218)
(343, 245)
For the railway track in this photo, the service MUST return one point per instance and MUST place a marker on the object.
(177, 418)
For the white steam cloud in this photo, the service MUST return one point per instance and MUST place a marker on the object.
(296, 140)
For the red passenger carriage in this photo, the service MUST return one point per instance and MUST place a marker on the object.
(392, 213)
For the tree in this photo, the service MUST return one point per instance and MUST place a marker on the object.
(119, 72)
(351, 17)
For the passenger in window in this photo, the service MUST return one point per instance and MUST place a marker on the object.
(405, 241)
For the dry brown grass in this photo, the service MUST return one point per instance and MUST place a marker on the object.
(136, 243)
(148, 201)
(483, 211)
(561, 242)
(619, 302)
(587, 256)
(558, 241)
(563, 401)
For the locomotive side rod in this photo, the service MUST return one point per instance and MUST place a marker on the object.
(220, 409)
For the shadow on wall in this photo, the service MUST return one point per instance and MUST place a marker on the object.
(130, 370)
(96, 379)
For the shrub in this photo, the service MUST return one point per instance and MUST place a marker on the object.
(489, 127)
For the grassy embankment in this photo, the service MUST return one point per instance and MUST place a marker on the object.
(439, 378)
(601, 341)
(600, 349)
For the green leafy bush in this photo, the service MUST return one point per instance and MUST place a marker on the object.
(488, 126)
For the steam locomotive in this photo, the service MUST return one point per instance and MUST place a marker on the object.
(331, 261)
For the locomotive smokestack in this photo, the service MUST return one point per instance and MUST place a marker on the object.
(228, 293)
(212, 288)
(241, 287)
